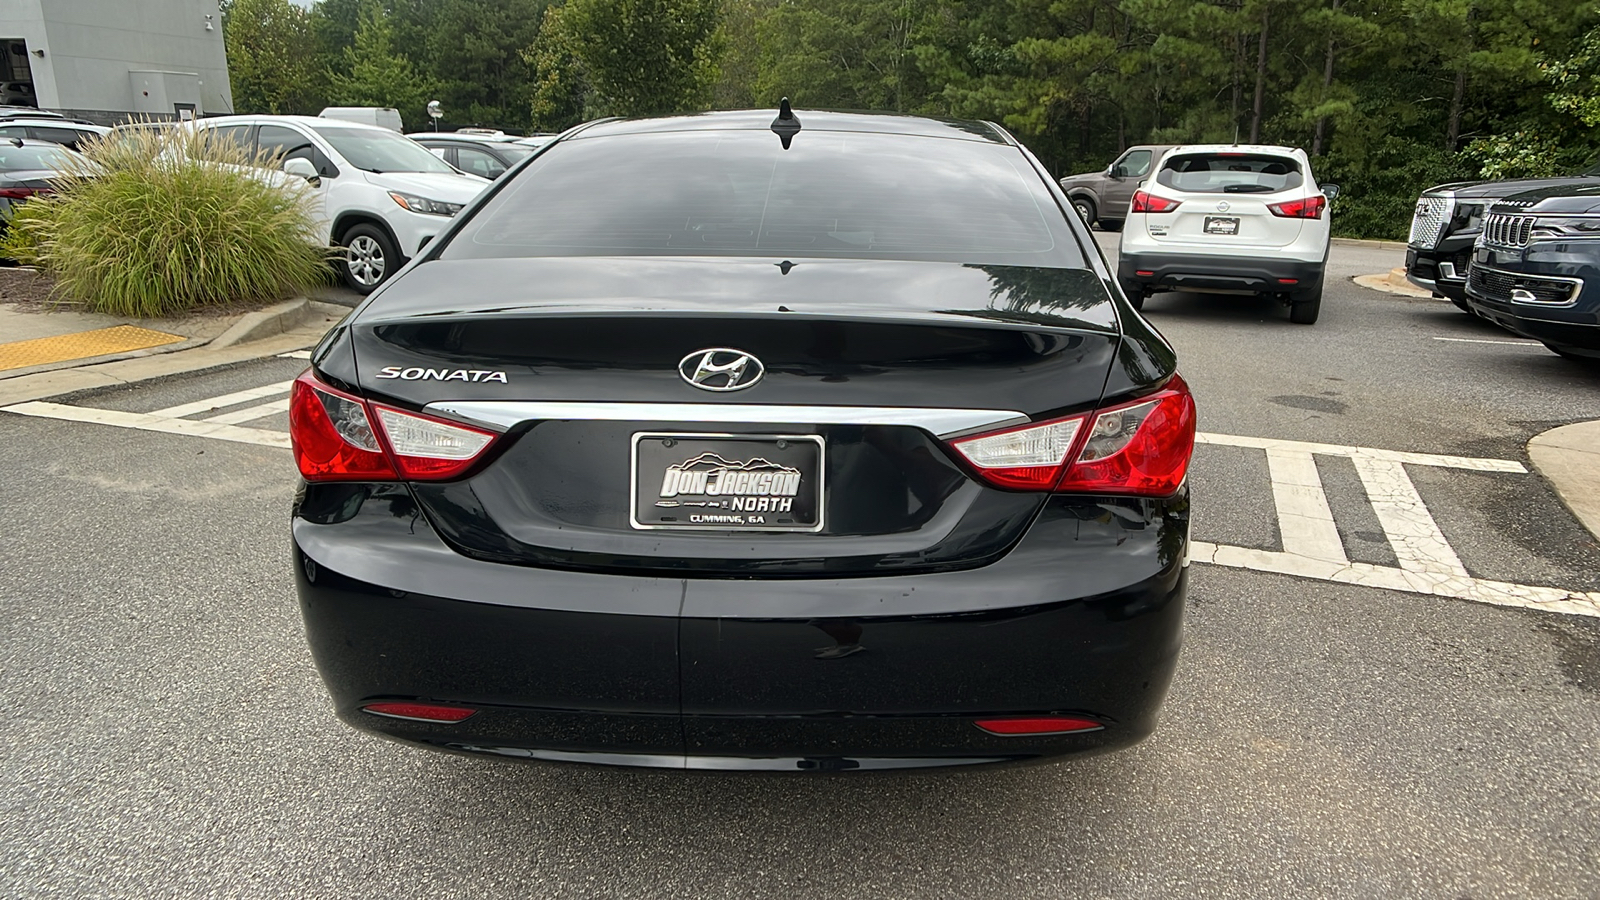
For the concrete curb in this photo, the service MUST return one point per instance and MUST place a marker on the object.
(1375, 245)
(264, 323)
(1569, 458)
(1392, 282)
(40, 385)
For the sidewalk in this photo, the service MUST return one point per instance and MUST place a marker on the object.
(45, 351)
(1569, 458)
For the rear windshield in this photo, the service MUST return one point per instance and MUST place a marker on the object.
(1230, 173)
(739, 193)
(32, 157)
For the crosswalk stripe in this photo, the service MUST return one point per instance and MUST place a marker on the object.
(259, 411)
(152, 422)
(210, 403)
(1418, 543)
(1477, 464)
(1304, 518)
(1460, 587)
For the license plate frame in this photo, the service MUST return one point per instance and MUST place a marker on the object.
(1227, 226)
(653, 495)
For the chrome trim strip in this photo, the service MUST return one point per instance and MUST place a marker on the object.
(1575, 285)
(944, 423)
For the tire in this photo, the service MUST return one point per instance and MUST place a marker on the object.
(1305, 307)
(1111, 224)
(1084, 207)
(369, 259)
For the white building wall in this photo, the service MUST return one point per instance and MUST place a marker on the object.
(91, 46)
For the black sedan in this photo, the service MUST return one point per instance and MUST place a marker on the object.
(816, 443)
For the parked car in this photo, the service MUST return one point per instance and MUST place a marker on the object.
(378, 194)
(485, 155)
(28, 169)
(69, 134)
(17, 93)
(1231, 219)
(1103, 197)
(28, 112)
(565, 475)
(383, 117)
(1447, 222)
(1536, 268)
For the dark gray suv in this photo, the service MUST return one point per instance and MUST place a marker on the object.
(1103, 197)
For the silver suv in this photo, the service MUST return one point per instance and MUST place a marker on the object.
(1103, 197)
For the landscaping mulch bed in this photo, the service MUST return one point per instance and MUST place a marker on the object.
(30, 289)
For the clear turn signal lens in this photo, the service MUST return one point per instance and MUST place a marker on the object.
(1029, 457)
(428, 448)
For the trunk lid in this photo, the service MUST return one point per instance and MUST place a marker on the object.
(837, 448)
(1257, 226)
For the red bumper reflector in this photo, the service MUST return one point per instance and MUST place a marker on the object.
(1037, 725)
(420, 712)
(1288, 281)
(1143, 274)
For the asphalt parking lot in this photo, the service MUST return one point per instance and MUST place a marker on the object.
(167, 736)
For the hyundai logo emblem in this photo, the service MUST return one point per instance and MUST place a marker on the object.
(721, 369)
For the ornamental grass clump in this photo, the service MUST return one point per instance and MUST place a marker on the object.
(162, 222)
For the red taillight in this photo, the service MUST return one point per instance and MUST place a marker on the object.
(22, 193)
(332, 435)
(1037, 725)
(1309, 208)
(340, 437)
(1151, 203)
(420, 712)
(1140, 448)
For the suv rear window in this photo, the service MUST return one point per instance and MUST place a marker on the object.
(1230, 173)
(739, 193)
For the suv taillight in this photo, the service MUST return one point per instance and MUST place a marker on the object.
(341, 437)
(1141, 448)
(1309, 208)
(1151, 203)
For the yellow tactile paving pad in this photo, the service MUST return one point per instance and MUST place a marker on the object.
(81, 345)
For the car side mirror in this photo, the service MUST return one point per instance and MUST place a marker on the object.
(302, 168)
(1331, 191)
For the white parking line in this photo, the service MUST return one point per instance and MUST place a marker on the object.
(1304, 518)
(1480, 341)
(151, 422)
(233, 399)
(249, 413)
(296, 354)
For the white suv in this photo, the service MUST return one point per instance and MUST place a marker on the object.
(1229, 219)
(377, 194)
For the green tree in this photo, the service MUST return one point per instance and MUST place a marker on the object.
(631, 57)
(268, 65)
(374, 73)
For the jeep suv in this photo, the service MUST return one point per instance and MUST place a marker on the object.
(1536, 268)
(1447, 221)
(1103, 197)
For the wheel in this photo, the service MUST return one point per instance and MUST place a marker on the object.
(369, 257)
(1305, 307)
(1111, 224)
(1084, 207)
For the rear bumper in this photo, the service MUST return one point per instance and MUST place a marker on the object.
(1261, 275)
(1083, 617)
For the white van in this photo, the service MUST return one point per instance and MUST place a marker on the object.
(381, 116)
